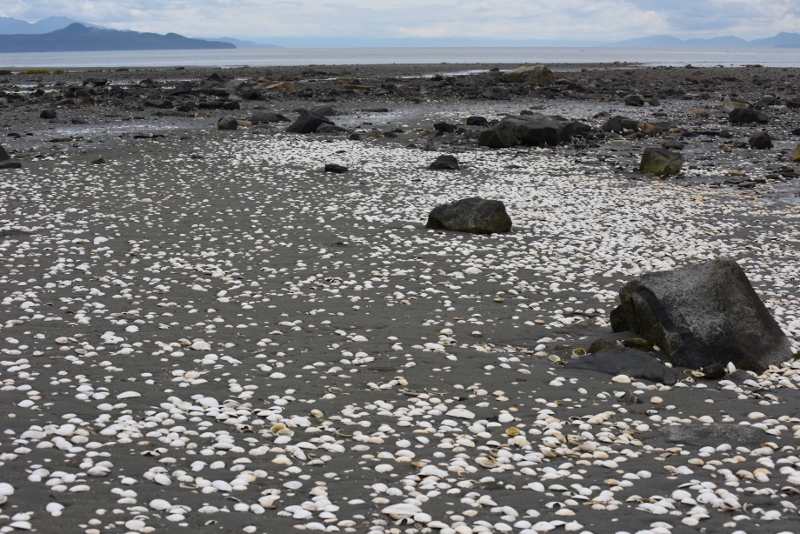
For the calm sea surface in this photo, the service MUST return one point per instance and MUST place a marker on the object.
(769, 57)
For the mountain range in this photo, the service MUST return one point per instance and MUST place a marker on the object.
(65, 34)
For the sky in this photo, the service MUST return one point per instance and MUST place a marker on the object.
(581, 20)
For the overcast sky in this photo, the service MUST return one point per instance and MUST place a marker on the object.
(588, 20)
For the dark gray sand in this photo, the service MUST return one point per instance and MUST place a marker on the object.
(207, 333)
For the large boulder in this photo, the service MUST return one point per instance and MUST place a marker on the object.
(308, 122)
(445, 162)
(661, 162)
(538, 74)
(760, 141)
(531, 130)
(704, 314)
(475, 215)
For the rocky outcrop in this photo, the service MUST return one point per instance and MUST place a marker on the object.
(475, 215)
(702, 315)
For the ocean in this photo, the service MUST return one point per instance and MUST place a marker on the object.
(699, 57)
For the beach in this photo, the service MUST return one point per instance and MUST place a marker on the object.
(203, 330)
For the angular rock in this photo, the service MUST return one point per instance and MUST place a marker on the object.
(619, 124)
(747, 116)
(475, 215)
(330, 129)
(538, 74)
(704, 314)
(445, 162)
(639, 100)
(307, 122)
(48, 114)
(183, 88)
(3, 154)
(261, 116)
(661, 162)
(531, 130)
(496, 93)
(500, 137)
(325, 111)
(729, 105)
(631, 362)
(760, 141)
(227, 124)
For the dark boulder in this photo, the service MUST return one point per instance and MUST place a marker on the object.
(3, 154)
(97, 82)
(531, 130)
(477, 121)
(661, 162)
(227, 124)
(10, 164)
(631, 362)
(639, 100)
(335, 168)
(183, 88)
(307, 122)
(619, 124)
(496, 93)
(712, 434)
(48, 114)
(474, 215)
(445, 162)
(325, 111)
(330, 129)
(537, 74)
(445, 127)
(747, 116)
(261, 116)
(761, 141)
(704, 314)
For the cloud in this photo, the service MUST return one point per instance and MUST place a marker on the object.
(595, 20)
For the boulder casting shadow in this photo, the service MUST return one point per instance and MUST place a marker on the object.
(701, 315)
(475, 215)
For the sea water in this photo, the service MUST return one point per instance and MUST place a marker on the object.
(265, 57)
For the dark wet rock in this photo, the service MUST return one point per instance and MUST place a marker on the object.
(760, 141)
(747, 116)
(335, 168)
(477, 121)
(183, 88)
(325, 111)
(3, 154)
(704, 314)
(619, 124)
(445, 127)
(651, 130)
(713, 434)
(96, 81)
(639, 100)
(98, 161)
(10, 164)
(231, 105)
(330, 129)
(212, 104)
(672, 144)
(227, 124)
(531, 130)
(496, 93)
(537, 74)
(307, 122)
(261, 116)
(159, 104)
(48, 114)
(619, 322)
(661, 162)
(445, 162)
(475, 215)
(630, 362)
(187, 107)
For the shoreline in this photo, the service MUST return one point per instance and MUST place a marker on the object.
(208, 331)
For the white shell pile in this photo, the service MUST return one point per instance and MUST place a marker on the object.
(247, 342)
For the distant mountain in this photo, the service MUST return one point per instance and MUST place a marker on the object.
(782, 40)
(12, 26)
(243, 44)
(77, 37)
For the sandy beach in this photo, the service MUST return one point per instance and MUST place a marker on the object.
(201, 330)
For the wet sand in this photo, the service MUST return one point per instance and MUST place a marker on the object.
(209, 319)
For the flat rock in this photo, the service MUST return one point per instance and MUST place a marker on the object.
(335, 168)
(630, 362)
(445, 162)
(747, 116)
(261, 116)
(713, 434)
(475, 215)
